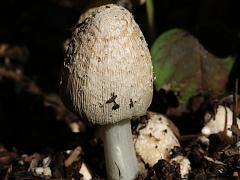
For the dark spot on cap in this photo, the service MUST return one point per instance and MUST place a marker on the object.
(107, 6)
(112, 98)
(131, 103)
(115, 106)
(100, 105)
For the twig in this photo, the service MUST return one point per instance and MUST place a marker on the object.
(73, 156)
(150, 16)
(213, 160)
(235, 115)
(188, 137)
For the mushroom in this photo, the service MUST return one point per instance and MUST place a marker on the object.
(220, 122)
(107, 79)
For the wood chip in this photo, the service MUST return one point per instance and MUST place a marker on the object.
(212, 160)
(235, 174)
(73, 156)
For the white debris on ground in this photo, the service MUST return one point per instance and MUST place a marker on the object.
(204, 140)
(84, 171)
(185, 165)
(46, 161)
(238, 144)
(43, 170)
(75, 127)
(222, 121)
(155, 140)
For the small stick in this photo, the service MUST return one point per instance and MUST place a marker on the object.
(150, 16)
(73, 156)
(235, 113)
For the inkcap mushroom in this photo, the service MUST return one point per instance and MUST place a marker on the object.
(107, 79)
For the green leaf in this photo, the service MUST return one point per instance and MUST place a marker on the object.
(181, 63)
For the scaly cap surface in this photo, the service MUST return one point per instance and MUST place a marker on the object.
(107, 72)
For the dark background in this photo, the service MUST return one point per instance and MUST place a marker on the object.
(42, 27)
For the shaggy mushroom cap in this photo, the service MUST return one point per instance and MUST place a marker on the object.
(107, 72)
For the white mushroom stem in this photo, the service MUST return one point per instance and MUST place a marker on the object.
(120, 157)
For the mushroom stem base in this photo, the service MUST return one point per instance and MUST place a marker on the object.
(120, 156)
